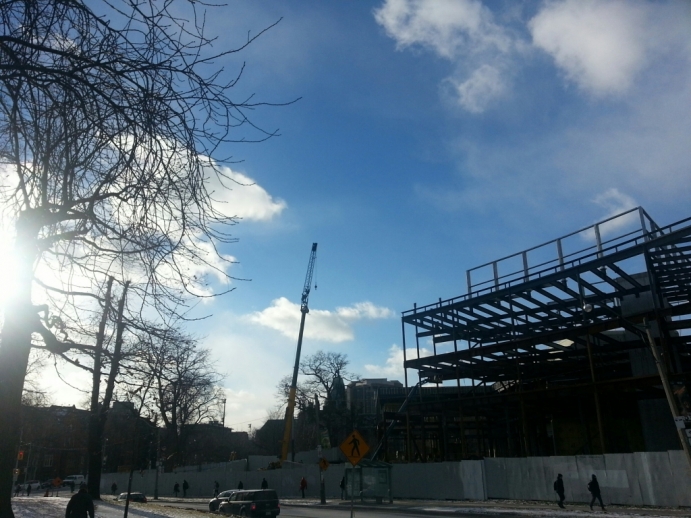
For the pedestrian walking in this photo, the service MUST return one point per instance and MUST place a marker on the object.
(303, 486)
(216, 486)
(185, 487)
(71, 486)
(28, 489)
(240, 486)
(265, 484)
(559, 490)
(594, 488)
(176, 489)
(343, 487)
(114, 488)
(57, 482)
(17, 489)
(80, 505)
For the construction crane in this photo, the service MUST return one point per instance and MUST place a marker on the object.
(304, 309)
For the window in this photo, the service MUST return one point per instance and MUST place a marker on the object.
(48, 460)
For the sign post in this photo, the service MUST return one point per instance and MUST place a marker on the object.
(354, 448)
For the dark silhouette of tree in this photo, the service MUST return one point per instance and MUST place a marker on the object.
(323, 370)
(324, 374)
(108, 121)
(169, 378)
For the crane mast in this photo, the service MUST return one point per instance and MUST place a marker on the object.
(304, 309)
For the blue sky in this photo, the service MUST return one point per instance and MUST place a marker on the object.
(431, 136)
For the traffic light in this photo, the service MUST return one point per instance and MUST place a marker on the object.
(20, 456)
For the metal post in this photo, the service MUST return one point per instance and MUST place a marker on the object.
(28, 463)
(598, 239)
(129, 491)
(322, 488)
(598, 413)
(525, 264)
(495, 270)
(352, 489)
(158, 461)
(643, 227)
(561, 255)
(407, 414)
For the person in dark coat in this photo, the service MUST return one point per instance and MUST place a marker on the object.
(559, 490)
(176, 489)
(343, 487)
(594, 488)
(240, 486)
(80, 505)
(265, 484)
(17, 489)
(28, 489)
(185, 487)
(303, 486)
(114, 488)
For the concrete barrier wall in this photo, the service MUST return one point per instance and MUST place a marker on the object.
(655, 478)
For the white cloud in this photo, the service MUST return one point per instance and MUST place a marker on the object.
(463, 32)
(615, 202)
(599, 44)
(484, 86)
(236, 194)
(329, 326)
(393, 367)
(449, 27)
(364, 310)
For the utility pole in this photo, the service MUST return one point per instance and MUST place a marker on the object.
(158, 461)
(322, 488)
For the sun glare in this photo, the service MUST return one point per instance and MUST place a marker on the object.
(8, 267)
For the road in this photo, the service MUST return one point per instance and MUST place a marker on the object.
(306, 512)
(321, 512)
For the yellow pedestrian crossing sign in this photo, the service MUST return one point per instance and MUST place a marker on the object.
(354, 447)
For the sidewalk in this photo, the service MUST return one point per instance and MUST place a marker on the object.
(508, 507)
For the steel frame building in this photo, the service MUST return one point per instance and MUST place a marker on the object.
(544, 356)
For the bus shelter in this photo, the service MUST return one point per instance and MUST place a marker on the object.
(369, 480)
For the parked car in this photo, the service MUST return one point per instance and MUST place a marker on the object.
(35, 484)
(258, 502)
(77, 479)
(47, 484)
(223, 496)
(134, 497)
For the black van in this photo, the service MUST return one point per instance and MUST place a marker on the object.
(258, 502)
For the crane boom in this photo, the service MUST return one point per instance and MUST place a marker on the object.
(304, 309)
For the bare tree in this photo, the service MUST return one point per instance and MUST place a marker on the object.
(34, 394)
(324, 375)
(170, 378)
(323, 371)
(302, 396)
(107, 123)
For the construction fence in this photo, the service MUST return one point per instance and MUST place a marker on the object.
(653, 478)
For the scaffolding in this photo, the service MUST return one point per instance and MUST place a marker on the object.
(543, 354)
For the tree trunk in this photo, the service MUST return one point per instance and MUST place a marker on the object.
(20, 317)
(98, 417)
